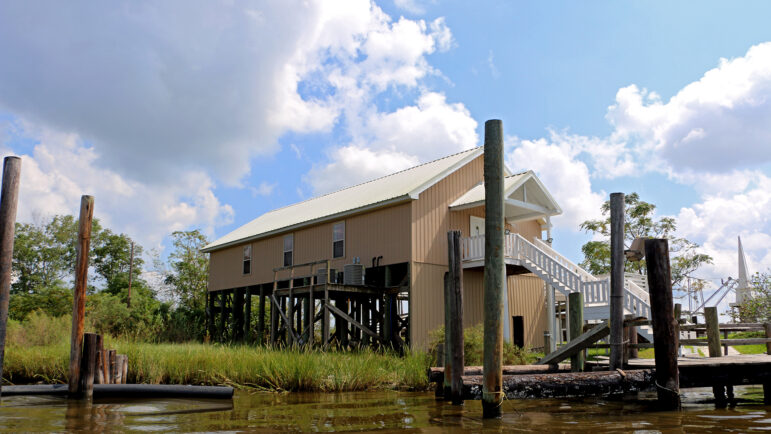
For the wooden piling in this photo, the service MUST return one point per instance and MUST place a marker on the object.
(576, 327)
(631, 350)
(494, 271)
(546, 343)
(124, 369)
(248, 315)
(455, 279)
(9, 199)
(79, 296)
(99, 375)
(210, 315)
(119, 368)
(616, 280)
(88, 365)
(665, 327)
(238, 315)
(261, 317)
(223, 315)
(713, 331)
(447, 339)
(111, 354)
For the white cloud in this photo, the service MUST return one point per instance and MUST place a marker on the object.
(264, 189)
(412, 6)
(61, 168)
(351, 165)
(717, 123)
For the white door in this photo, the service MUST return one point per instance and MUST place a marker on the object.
(477, 225)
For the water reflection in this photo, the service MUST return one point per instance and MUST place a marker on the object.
(381, 411)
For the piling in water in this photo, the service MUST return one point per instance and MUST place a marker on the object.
(79, 297)
(456, 314)
(616, 280)
(665, 327)
(9, 198)
(494, 273)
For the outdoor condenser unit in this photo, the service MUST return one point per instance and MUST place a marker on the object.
(321, 276)
(353, 274)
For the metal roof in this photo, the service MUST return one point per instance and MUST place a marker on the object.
(391, 189)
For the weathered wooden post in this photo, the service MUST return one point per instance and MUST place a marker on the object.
(261, 317)
(494, 274)
(238, 315)
(248, 315)
(546, 343)
(79, 297)
(576, 327)
(456, 315)
(616, 280)
(665, 327)
(713, 345)
(111, 359)
(630, 336)
(713, 331)
(223, 315)
(9, 198)
(447, 340)
(88, 365)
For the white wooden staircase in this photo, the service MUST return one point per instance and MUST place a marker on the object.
(565, 276)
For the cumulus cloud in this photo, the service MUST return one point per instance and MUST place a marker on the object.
(717, 123)
(61, 167)
(351, 165)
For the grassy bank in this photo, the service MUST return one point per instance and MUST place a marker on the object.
(194, 363)
(38, 351)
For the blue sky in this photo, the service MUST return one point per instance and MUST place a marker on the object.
(209, 115)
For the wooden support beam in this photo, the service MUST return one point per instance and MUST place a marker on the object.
(617, 210)
(577, 345)
(223, 315)
(353, 322)
(576, 327)
(9, 199)
(325, 315)
(248, 315)
(238, 315)
(277, 307)
(581, 384)
(665, 327)
(79, 297)
(273, 314)
(290, 338)
(312, 324)
(261, 317)
(494, 271)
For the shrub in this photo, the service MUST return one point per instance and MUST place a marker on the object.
(473, 347)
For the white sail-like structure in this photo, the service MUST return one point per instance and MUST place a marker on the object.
(743, 288)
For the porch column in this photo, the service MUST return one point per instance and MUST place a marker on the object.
(551, 317)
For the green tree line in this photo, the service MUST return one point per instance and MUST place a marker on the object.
(172, 309)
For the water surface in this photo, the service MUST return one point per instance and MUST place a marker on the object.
(389, 411)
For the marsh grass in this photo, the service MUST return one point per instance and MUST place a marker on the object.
(38, 351)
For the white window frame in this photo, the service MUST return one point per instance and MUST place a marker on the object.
(247, 258)
(284, 250)
(334, 226)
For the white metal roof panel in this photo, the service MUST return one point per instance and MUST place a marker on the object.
(390, 189)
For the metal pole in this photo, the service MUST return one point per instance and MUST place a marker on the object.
(616, 280)
(494, 275)
(9, 198)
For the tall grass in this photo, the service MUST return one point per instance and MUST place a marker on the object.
(32, 357)
(473, 347)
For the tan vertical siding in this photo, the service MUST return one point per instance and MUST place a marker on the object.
(527, 298)
(431, 216)
(384, 232)
(530, 229)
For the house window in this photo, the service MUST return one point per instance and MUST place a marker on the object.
(338, 240)
(288, 249)
(248, 259)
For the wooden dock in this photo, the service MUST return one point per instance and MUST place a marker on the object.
(542, 381)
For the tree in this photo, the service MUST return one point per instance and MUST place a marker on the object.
(757, 307)
(112, 260)
(640, 222)
(190, 269)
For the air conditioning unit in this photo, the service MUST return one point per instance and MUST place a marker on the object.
(353, 274)
(321, 276)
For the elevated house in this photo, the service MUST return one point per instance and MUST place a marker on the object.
(366, 263)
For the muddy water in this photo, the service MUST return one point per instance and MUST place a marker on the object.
(389, 411)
